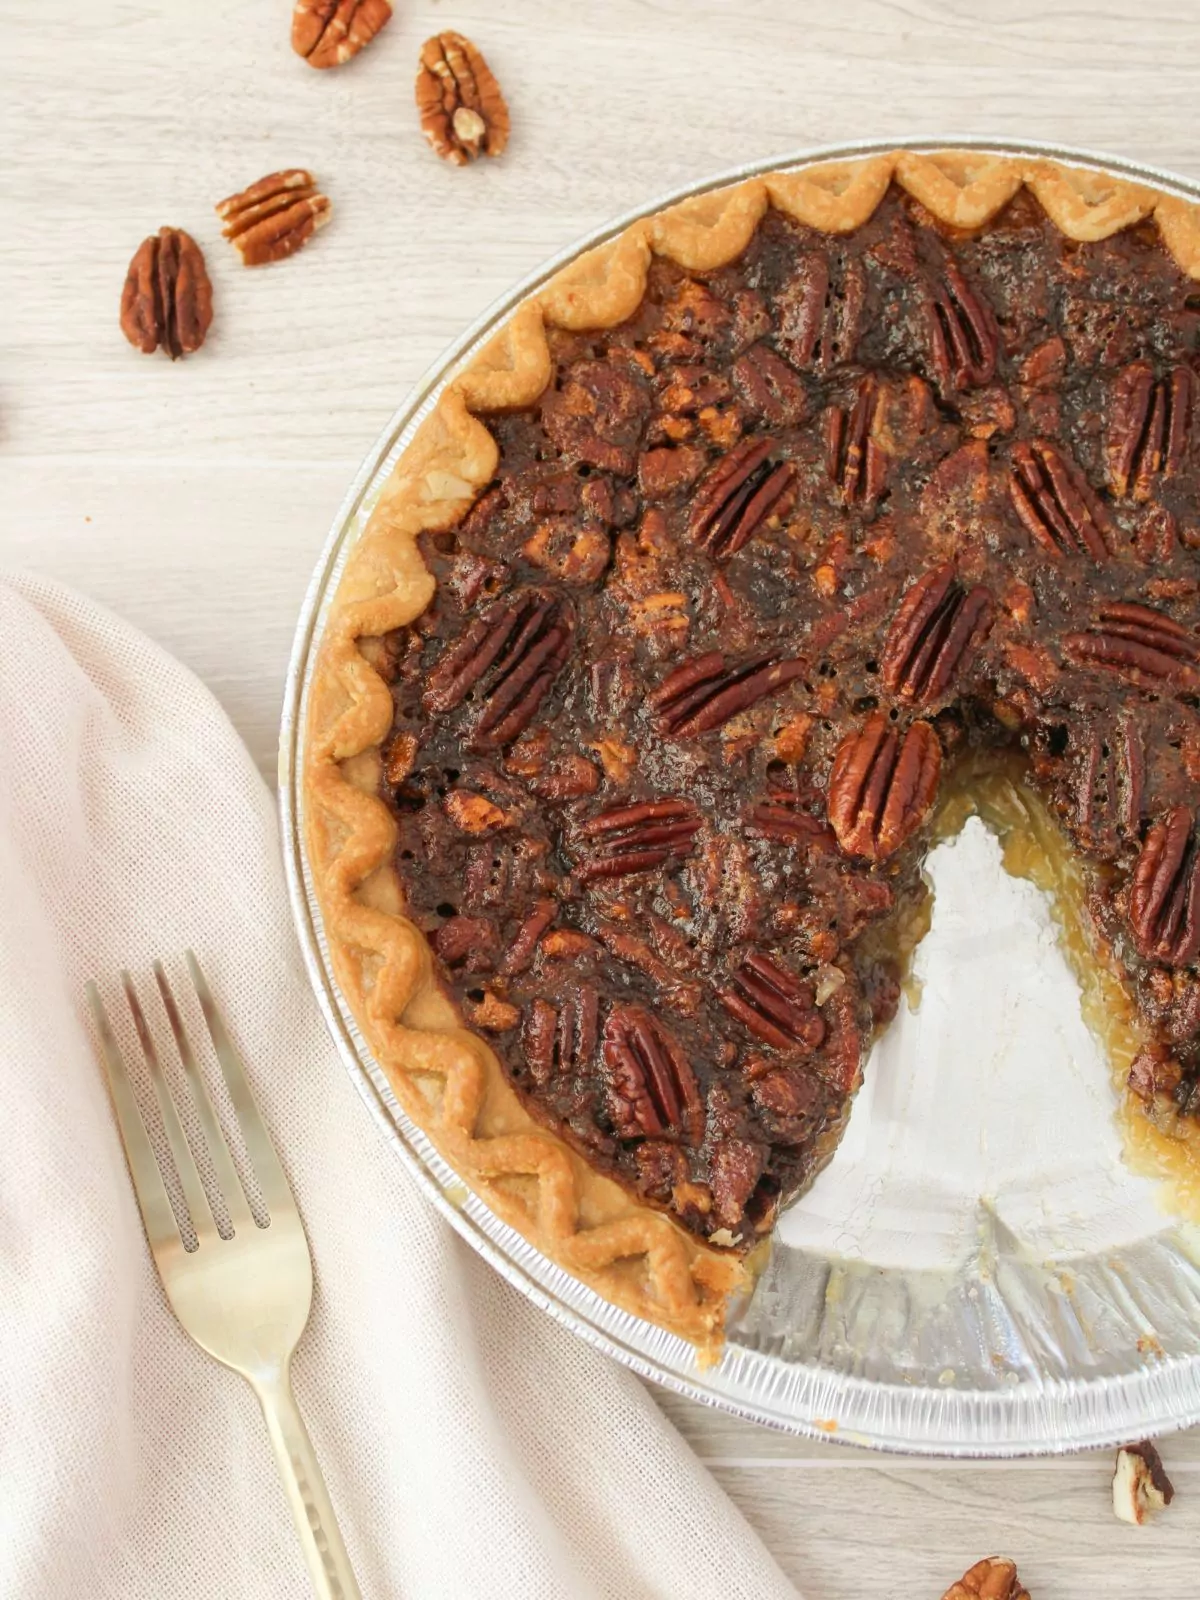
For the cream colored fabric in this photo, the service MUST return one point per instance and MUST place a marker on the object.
(472, 1447)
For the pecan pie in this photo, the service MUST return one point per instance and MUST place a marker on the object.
(636, 696)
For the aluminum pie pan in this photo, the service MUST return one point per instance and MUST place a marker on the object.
(1043, 1357)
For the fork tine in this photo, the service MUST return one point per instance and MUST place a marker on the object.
(185, 1165)
(227, 1179)
(161, 1228)
(272, 1180)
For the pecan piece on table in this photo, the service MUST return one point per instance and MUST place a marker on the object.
(652, 1089)
(274, 217)
(1107, 799)
(935, 628)
(1056, 503)
(1164, 897)
(167, 300)
(1140, 1484)
(329, 32)
(856, 465)
(963, 335)
(881, 787)
(560, 1041)
(507, 660)
(993, 1578)
(704, 693)
(775, 1005)
(1148, 429)
(636, 838)
(463, 114)
(1136, 642)
(738, 497)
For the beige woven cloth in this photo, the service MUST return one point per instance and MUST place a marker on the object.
(472, 1447)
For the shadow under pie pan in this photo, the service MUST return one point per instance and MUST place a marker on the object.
(976, 1273)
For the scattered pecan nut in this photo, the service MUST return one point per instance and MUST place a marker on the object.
(463, 114)
(775, 1005)
(881, 787)
(856, 465)
(167, 300)
(1164, 898)
(1140, 1485)
(704, 693)
(1137, 643)
(652, 1089)
(993, 1578)
(743, 493)
(507, 660)
(936, 627)
(1056, 503)
(1149, 425)
(329, 32)
(636, 838)
(274, 217)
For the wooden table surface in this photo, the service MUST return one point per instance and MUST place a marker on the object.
(193, 498)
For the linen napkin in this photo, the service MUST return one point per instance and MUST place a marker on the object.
(472, 1447)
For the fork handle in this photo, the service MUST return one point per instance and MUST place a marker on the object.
(328, 1564)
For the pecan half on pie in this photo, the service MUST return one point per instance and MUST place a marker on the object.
(636, 696)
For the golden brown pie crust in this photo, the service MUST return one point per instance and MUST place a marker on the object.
(445, 1076)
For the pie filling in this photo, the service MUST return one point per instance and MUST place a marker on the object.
(808, 541)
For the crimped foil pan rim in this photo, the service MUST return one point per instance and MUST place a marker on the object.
(1037, 1418)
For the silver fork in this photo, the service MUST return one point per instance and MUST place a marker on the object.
(244, 1299)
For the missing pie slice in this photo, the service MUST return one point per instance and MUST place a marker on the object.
(749, 529)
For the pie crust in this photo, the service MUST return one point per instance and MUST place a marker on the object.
(446, 1077)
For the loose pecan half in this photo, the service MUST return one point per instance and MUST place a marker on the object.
(274, 217)
(1137, 643)
(329, 32)
(652, 1089)
(775, 1005)
(963, 335)
(855, 463)
(704, 693)
(990, 1579)
(1149, 425)
(561, 1040)
(882, 787)
(507, 660)
(167, 300)
(1140, 1486)
(636, 838)
(1164, 898)
(1107, 798)
(738, 497)
(1056, 503)
(937, 625)
(463, 114)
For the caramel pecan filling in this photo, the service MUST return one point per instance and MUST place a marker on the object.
(761, 566)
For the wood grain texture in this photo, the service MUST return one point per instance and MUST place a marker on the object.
(194, 498)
